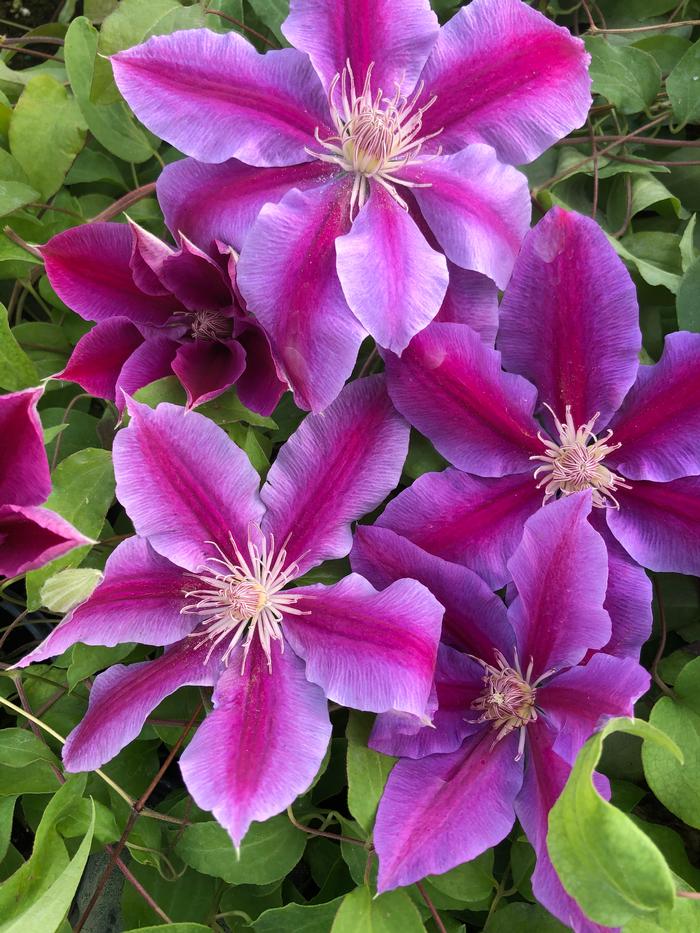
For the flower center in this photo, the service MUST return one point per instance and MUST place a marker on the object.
(576, 463)
(243, 596)
(376, 136)
(210, 324)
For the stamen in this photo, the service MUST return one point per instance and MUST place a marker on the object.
(508, 699)
(210, 324)
(244, 598)
(576, 463)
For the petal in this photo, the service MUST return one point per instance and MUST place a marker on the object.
(147, 256)
(31, 537)
(451, 387)
(140, 599)
(220, 202)
(24, 468)
(658, 424)
(475, 619)
(89, 268)
(263, 744)
(505, 75)
(567, 268)
(477, 207)
(440, 811)
(287, 275)
(336, 467)
(122, 698)
(368, 650)
(99, 355)
(195, 279)
(393, 37)
(580, 700)
(659, 525)
(184, 483)
(213, 97)
(471, 521)
(393, 281)
(206, 368)
(151, 361)
(560, 569)
(472, 299)
(259, 386)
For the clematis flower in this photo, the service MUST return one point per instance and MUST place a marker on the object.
(29, 535)
(514, 702)
(348, 167)
(570, 340)
(208, 576)
(159, 311)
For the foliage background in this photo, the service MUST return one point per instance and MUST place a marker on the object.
(71, 152)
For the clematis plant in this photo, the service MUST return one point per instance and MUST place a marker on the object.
(570, 338)
(349, 168)
(514, 700)
(208, 576)
(159, 311)
(29, 534)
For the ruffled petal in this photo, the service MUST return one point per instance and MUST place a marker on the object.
(259, 386)
(31, 537)
(99, 356)
(213, 97)
(335, 468)
(195, 279)
(24, 468)
(206, 368)
(472, 299)
(150, 361)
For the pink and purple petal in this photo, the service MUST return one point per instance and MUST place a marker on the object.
(184, 483)
(571, 294)
(147, 256)
(393, 37)
(335, 468)
(477, 207)
(206, 368)
(368, 650)
(392, 279)
(89, 268)
(560, 570)
(472, 299)
(506, 75)
(466, 519)
(214, 97)
(659, 421)
(24, 468)
(140, 599)
(262, 745)
(195, 279)
(659, 525)
(452, 388)
(443, 810)
(150, 361)
(100, 355)
(31, 537)
(287, 276)
(122, 698)
(259, 386)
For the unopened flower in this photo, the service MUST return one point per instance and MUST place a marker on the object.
(349, 168)
(517, 693)
(29, 534)
(569, 337)
(209, 577)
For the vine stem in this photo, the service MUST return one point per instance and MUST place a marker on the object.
(431, 907)
(595, 30)
(663, 687)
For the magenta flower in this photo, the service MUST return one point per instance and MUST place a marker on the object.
(514, 703)
(208, 576)
(29, 535)
(159, 311)
(569, 334)
(366, 153)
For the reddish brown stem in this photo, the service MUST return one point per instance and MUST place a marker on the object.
(237, 22)
(431, 907)
(138, 194)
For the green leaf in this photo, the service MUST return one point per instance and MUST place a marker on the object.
(15, 194)
(83, 490)
(612, 869)
(226, 409)
(47, 131)
(67, 588)
(185, 927)
(86, 660)
(688, 299)
(269, 851)
(272, 13)
(678, 785)
(16, 369)
(687, 245)
(298, 918)
(666, 50)
(523, 918)
(683, 917)
(656, 257)
(472, 881)
(683, 87)
(388, 913)
(626, 76)
(19, 748)
(647, 192)
(7, 812)
(367, 770)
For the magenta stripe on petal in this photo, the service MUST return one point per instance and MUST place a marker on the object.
(24, 469)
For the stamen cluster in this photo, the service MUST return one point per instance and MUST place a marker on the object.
(210, 324)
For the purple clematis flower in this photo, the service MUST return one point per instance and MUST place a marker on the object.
(514, 702)
(159, 311)
(368, 153)
(208, 575)
(626, 431)
(29, 535)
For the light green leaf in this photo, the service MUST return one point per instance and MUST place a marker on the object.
(612, 869)
(7, 812)
(16, 369)
(226, 409)
(683, 87)
(269, 851)
(185, 927)
(67, 588)
(688, 299)
(298, 918)
(656, 257)
(388, 913)
(626, 76)
(19, 748)
(367, 770)
(687, 244)
(14, 194)
(86, 660)
(47, 131)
